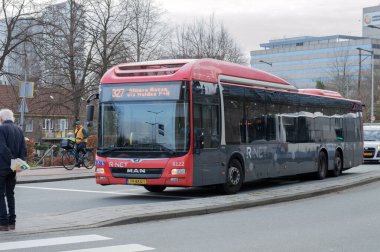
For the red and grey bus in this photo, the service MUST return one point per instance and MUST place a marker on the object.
(186, 123)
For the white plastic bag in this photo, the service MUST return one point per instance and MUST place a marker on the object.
(19, 165)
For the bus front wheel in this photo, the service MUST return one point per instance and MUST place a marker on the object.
(157, 189)
(234, 178)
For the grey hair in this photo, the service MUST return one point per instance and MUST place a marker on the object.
(7, 114)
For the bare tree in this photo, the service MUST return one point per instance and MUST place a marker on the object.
(206, 39)
(17, 27)
(147, 32)
(107, 25)
(341, 74)
(66, 52)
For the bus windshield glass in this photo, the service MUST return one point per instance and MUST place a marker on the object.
(151, 121)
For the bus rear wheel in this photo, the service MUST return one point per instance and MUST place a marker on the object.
(234, 178)
(322, 166)
(338, 164)
(153, 188)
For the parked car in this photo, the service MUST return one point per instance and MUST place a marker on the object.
(371, 152)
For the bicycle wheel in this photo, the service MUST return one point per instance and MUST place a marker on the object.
(68, 160)
(89, 160)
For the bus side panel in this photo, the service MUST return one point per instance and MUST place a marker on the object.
(209, 167)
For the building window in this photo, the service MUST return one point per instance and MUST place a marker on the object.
(62, 124)
(48, 124)
(29, 125)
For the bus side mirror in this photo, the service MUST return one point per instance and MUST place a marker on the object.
(89, 114)
(199, 140)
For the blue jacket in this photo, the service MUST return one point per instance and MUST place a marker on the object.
(12, 144)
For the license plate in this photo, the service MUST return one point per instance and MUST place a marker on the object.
(136, 181)
(367, 154)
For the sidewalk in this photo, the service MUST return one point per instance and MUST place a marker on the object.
(119, 215)
(49, 174)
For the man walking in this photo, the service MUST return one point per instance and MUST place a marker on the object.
(12, 146)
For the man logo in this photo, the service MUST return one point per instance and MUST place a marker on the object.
(136, 171)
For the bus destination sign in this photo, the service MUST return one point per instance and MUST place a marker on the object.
(140, 92)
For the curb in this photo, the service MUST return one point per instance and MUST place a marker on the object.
(33, 181)
(229, 206)
(196, 211)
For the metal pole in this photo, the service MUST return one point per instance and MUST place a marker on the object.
(22, 113)
(360, 71)
(372, 54)
(22, 116)
(372, 88)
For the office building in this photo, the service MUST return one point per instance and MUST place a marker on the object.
(333, 60)
(371, 22)
(306, 60)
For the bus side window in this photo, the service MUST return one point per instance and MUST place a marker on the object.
(290, 126)
(303, 130)
(206, 117)
(256, 129)
(234, 108)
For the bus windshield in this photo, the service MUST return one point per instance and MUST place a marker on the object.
(144, 127)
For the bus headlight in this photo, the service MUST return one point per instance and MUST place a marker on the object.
(99, 170)
(178, 171)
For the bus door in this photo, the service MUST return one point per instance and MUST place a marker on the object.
(289, 151)
(350, 141)
(208, 161)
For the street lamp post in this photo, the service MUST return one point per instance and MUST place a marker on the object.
(265, 62)
(153, 126)
(372, 79)
(373, 26)
(373, 62)
(155, 122)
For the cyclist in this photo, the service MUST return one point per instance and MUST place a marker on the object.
(80, 142)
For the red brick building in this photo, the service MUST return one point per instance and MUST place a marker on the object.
(49, 115)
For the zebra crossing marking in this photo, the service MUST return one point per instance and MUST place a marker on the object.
(120, 248)
(51, 241)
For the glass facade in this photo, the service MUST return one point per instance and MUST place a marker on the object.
(305, 60)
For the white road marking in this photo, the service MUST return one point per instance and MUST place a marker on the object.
(121, 248)
(51, 241)
(103, 192)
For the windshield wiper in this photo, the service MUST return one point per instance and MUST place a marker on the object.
(135, 147)
(154, 147)
(112, 149)
(170, 151)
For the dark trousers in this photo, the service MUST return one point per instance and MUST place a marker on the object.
(7, 188)
(81, 147)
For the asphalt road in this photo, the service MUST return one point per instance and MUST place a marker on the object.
(74, 195)
(344, 221)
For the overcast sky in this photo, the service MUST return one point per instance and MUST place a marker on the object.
(253, 22)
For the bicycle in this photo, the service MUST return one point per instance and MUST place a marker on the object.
(68, 156)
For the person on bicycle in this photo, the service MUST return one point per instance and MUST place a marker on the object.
(80, 142)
